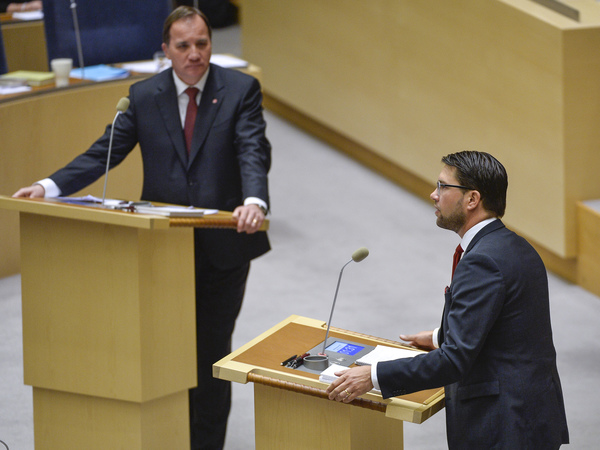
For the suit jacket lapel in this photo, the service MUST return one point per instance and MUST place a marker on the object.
(210, 102)
(166, 99)
(495, 225)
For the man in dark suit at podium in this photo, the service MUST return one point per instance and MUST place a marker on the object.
(222, 165)
(493, 351)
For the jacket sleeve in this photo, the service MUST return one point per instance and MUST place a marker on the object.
(91, 165)
(252, 147)
(473, 304)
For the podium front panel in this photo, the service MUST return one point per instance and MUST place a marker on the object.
(108, 311)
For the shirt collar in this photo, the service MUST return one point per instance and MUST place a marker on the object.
(180, 86)
(471, 232)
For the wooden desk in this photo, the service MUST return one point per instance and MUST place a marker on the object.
(588, 263)
(24, 43)
(400, 84)
(291, 405)
(56, 208)
(102, 293)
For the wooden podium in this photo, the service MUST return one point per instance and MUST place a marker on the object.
(291, 407)
(109, 325)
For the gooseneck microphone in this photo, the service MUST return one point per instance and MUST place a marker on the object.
(357, 256)
(77, 36)
(122, 106)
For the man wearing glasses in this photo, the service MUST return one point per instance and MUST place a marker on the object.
(493, 351)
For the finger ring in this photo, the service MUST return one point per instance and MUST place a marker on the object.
(348, 394)
(254, 222)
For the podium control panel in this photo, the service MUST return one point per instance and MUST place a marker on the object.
(340, 351)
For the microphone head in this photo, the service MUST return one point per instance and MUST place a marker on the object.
(360, 254)
(123, 104)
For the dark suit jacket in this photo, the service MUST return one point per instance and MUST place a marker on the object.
(496, 357)
(229, 160)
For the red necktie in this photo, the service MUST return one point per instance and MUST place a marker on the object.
(190, 116)
(457, 254)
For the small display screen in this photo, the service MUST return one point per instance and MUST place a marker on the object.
(345, 348)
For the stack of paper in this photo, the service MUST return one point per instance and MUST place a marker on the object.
(13, 86)
(28, 15)
(328, 375)
(100, 72)
(33, 77)
(6, 90)
(384, 353)
(174, 211)
(228, 61)
(147, 66)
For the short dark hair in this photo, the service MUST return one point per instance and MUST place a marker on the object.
(484, 173)
(180, 13)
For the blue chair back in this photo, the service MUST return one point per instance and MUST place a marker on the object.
(3, 64)
(111, 31)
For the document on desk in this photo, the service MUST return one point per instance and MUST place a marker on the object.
(175, 211)
(91, 200)
(328, 375)
(147, 66)
(228, 61)
(100, 72)
(140, 207)
(6, 90)
(385, 353)
(28, 15)
(378, 354)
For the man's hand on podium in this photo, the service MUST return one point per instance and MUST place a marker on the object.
(249, 218)
(34, 191)
(422, 340)
(351, 383)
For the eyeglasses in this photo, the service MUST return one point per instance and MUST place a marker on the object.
(441, 185)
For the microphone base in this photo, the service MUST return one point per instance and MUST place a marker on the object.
(316, 362)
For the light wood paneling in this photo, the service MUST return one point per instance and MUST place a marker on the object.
(411, 81)
(588, 264)
(280, 414)
(100, 303)
(73, 422)
(24, 44)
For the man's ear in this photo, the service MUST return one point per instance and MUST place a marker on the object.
(473, 199)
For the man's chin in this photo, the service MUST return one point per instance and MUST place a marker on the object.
(442, 223)
(192, 75)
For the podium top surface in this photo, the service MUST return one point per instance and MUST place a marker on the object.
(263, 356)
(55, 208)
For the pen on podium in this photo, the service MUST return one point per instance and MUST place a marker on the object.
(298, 361)
(289, 360)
